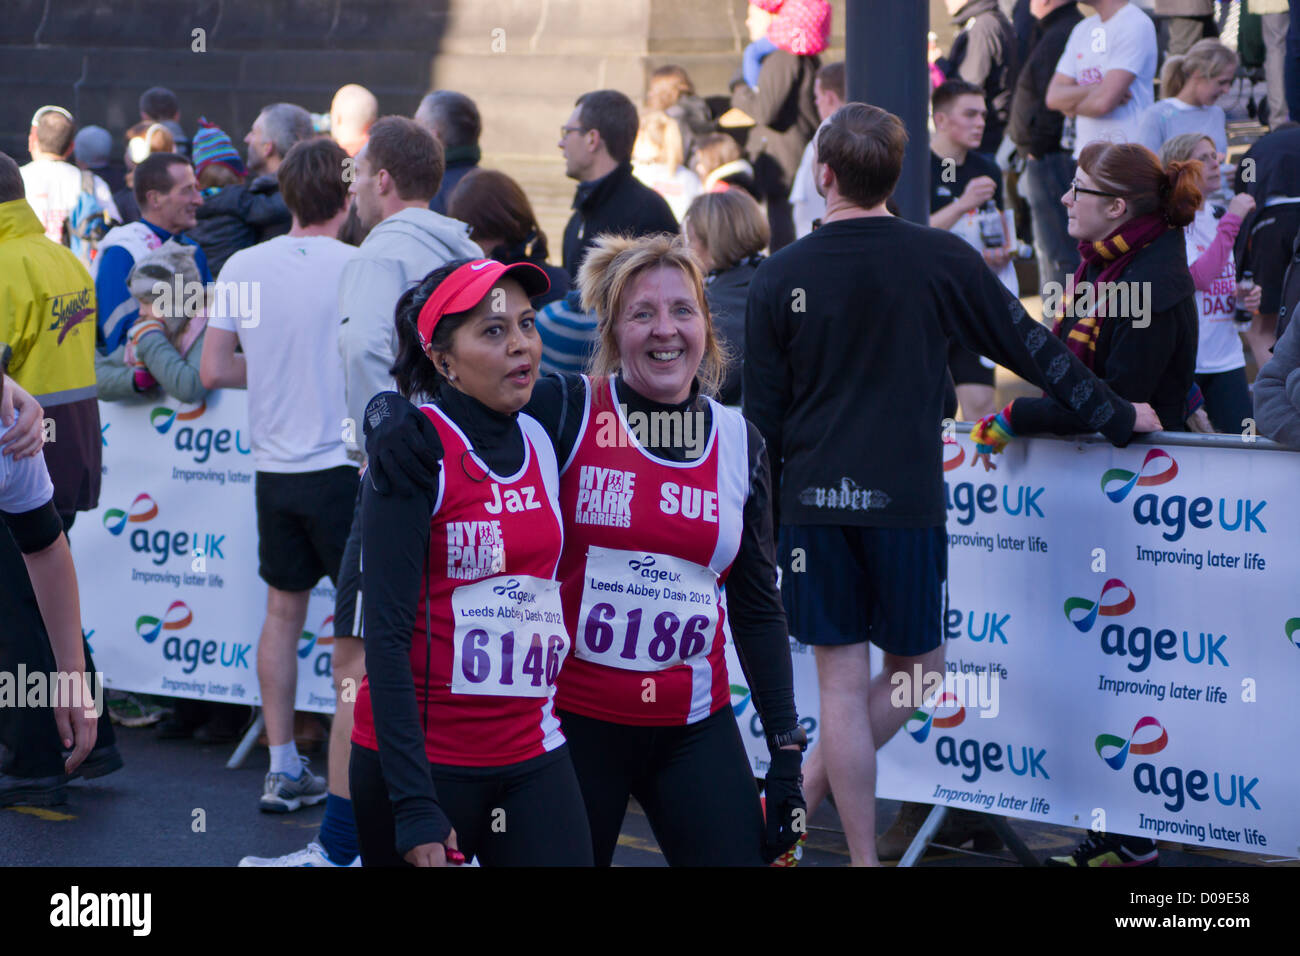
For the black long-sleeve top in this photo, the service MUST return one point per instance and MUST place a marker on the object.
(1154, 361)
(395, 542)
(618, 203)
(846, 345)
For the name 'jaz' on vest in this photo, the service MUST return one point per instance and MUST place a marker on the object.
(604, 497)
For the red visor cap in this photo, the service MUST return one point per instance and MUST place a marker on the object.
(466, 287)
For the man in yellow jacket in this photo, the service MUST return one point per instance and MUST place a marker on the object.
(47, 317)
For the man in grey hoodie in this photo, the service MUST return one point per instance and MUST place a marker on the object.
(395, 176)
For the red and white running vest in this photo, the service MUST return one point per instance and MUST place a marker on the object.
(648, 546)
(498, 636)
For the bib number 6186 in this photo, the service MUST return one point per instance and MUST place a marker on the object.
(664, 641)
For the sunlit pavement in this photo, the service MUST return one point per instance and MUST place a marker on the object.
(175, 804)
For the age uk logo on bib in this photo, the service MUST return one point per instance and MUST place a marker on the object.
(510, 639)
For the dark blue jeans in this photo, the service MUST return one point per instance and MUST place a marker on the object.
(1043, 183)
(1227, 399)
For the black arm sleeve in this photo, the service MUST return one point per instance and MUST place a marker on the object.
(34, 530)
(557, 404)
(758, 622)
(394, 548)
(1133, 354)
(1033, 353)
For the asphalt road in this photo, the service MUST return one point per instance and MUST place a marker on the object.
(175, 804)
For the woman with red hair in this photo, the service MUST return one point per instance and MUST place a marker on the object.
(1132, 317)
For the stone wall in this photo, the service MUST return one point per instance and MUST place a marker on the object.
(523, 61)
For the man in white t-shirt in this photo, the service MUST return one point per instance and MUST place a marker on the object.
(306, 485)
(1105, 76)
(53, 185)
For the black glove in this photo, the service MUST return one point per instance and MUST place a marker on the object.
(402, 446)
(787, 814)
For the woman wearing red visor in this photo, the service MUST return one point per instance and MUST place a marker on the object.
(457, 752)
(666, 497)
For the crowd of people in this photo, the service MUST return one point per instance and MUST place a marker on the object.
(721, 269)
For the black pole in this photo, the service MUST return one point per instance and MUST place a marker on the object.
(885, 44)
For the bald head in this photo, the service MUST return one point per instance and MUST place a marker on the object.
(352, 113)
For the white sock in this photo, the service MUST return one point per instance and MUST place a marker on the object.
(285, 759)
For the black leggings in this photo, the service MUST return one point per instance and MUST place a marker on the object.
(694, 783)
(527, 814)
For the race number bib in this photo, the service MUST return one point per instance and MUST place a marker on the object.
(510, 639)
(645, 612)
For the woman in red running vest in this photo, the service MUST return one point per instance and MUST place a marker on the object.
(457, 752)
(666, 496)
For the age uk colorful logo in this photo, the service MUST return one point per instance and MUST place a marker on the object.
(161, 418)
(1090, 609)
(177, 616)
(1153, 745)
(919, 724)
(308, 641)
(143, 508)
(1121, 481)
(1291, 627)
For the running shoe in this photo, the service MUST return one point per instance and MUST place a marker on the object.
(1105, 849)
(314, 855)
(792, 856)
(132, 711)
(284, 794)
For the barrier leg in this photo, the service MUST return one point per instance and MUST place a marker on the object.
(246, 744)
(1012, 840)
(922, 839)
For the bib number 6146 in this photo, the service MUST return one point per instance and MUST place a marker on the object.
(487, 663)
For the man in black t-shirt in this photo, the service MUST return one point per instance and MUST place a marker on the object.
(846, 342)
(962, 184)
